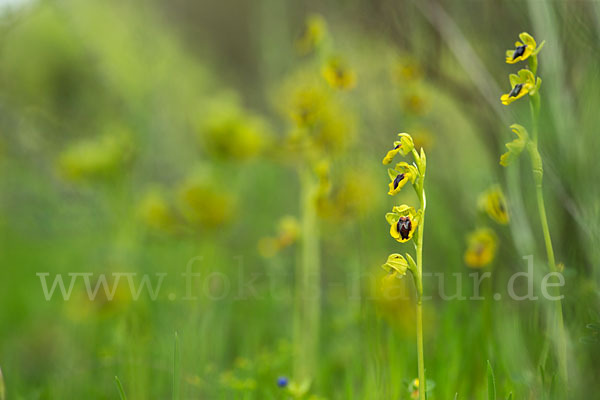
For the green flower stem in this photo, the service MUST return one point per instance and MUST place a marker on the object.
(533, 63)
(308, 281)
(419, 284)
(421, 362)
(538, 173)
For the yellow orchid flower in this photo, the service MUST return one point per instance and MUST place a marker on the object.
(404, 145)
(392, 153)
(523, 49)
(399, 176)
(521, 84)
(403, 222)
(396, 265)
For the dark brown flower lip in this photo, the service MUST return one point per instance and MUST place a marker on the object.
(398, 180)
(404, 226)
(516, 90)
(519, 51)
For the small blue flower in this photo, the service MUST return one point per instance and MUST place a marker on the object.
(282, 381)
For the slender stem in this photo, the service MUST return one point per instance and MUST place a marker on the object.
(421, 360)
(537, 170)
(559, 323)
(545, 228)
(307, 307)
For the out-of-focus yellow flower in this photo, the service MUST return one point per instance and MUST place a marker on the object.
(323, 125)
(95, 158)
(103, 304)
(230, 380)
(481, 248)
(394, 300)
(268, 246)
(315, 32)
(232, 132)
(350, 197)
(416, 103)
(156, 212)
(288, 232)
(299, 389)
(407, 70)
(333, 130)
(354, 196)
(422, 138)
(403, 222)
(399, 176)
(522, 84)
(338, 75)
(523, 49)
(413, 388)
(203, 204)
(306, 105)
(493, 202)
(405, 145)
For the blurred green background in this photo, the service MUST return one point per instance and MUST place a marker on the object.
(145, 137)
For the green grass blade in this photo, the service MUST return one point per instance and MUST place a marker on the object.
(2, 388)
(176, 368)
(509, 396)
(491, 382)
(119, 387)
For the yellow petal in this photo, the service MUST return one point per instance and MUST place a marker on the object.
(528, 40)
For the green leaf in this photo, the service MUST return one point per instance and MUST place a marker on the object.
(411, 264)
(491, 382)
(119, 388)
(422, 162)
(539, 47)
(509, 397)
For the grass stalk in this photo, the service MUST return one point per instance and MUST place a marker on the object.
(2, 388)
(120, 388)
